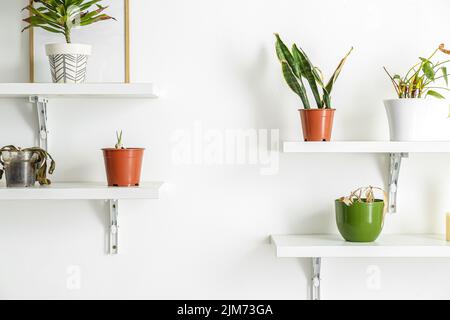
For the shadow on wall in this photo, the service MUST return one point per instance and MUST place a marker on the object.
(265, 102)
(317, 222)
(254, 280)
(383, 168)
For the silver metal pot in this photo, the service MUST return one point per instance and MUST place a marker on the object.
(20, 168)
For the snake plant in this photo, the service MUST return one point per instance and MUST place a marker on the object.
(61, 16)
(298, 69)
(41, 163)
(419, 81)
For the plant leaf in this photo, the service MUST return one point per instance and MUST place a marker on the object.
(336, 74)
(284, 54)
(445, 75)
(296, 85)
(442, 49)
(428, 70)
(435, 94)
(307, 71)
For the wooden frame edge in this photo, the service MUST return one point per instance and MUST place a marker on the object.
(127, 41)
(31, 51)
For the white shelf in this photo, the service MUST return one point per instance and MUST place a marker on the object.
(82, 191)
(87, 90)
(387, 246)
(367, 147)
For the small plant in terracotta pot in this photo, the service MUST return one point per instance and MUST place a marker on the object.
(297, 69)
(123, 165)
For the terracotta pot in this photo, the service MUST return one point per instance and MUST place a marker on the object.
(317, 124)
(123, 166)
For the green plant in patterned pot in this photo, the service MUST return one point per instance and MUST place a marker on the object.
(68, 60)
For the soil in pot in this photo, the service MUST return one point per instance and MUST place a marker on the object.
(123, 166)
(361, 221)
(317, 124)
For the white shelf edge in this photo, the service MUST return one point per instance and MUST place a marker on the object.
(387, 246)
(86, 90)
(82, 191)
(366, 147)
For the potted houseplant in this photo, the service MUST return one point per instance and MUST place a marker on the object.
(68, 60)
(416, 114)
(360, 216)
(23, 167)
(297, 69)
(123, 165)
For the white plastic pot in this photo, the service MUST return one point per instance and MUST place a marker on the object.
(418, 119)
(68, 61)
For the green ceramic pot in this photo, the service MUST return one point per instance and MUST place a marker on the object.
(360, 222)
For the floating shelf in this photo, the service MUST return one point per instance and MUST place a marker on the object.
(317, 247)
(82, 191)
(366, 147)
(87, 90)
(388, 246)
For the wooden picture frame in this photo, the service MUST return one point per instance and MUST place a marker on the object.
(127, 76)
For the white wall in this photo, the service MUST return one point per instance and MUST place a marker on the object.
(207, 237)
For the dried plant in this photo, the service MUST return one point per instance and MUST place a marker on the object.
(41, 163)
(364, 194)
(61, 16)
(420, 80)
(297, 67)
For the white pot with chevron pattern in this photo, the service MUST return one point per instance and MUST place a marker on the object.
(68, 61)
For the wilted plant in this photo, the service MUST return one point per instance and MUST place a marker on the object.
(296, 67)
(364, 194)
(420, 80)
(41, 162)
(61, 16)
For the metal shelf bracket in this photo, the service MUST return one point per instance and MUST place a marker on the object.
(315, 281)
(113, 227)
(396, 162)
(41, 108)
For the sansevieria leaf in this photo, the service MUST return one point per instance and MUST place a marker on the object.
(295, 84)
(307, 71)
(336, 74)
(284, 54)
